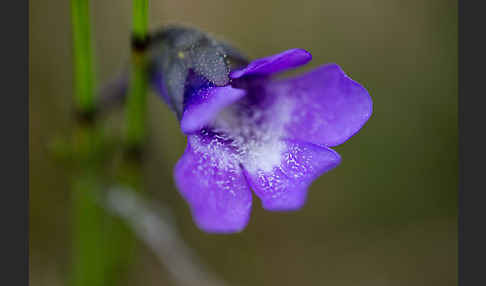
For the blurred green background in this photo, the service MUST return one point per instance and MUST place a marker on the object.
(386, 216)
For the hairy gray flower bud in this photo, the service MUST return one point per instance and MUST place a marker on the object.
(177, 52)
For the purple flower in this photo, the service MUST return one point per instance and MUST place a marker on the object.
(249, 131)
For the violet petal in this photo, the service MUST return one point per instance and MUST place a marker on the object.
(328, 106)
(213, 184)
(284, 187)
(277, 63)
(205, 104)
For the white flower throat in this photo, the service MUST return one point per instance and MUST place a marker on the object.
(255, 133)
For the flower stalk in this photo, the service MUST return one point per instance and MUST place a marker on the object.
(129, 171)
(140, 18)
(84, 94)
(137, 93)
(97, 251)
(87, 234)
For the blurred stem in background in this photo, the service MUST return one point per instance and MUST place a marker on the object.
(87, 234)
(137, 93)
(129, 172)
(102, 245)
(83, 63)
(140, 18)
(88, 218)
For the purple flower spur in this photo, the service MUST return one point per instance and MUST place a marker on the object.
(247, 130)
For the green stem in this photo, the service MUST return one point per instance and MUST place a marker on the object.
(88, 251)
(99, 243)
(89, 254)
(83, 56)
(136, 106)
(137, 94)
(87, 216)
(102, 245)
(130, 169)
(140, 18)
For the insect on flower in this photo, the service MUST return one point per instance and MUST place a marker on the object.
(247, 130)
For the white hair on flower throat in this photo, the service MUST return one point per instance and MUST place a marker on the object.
(255, 133)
